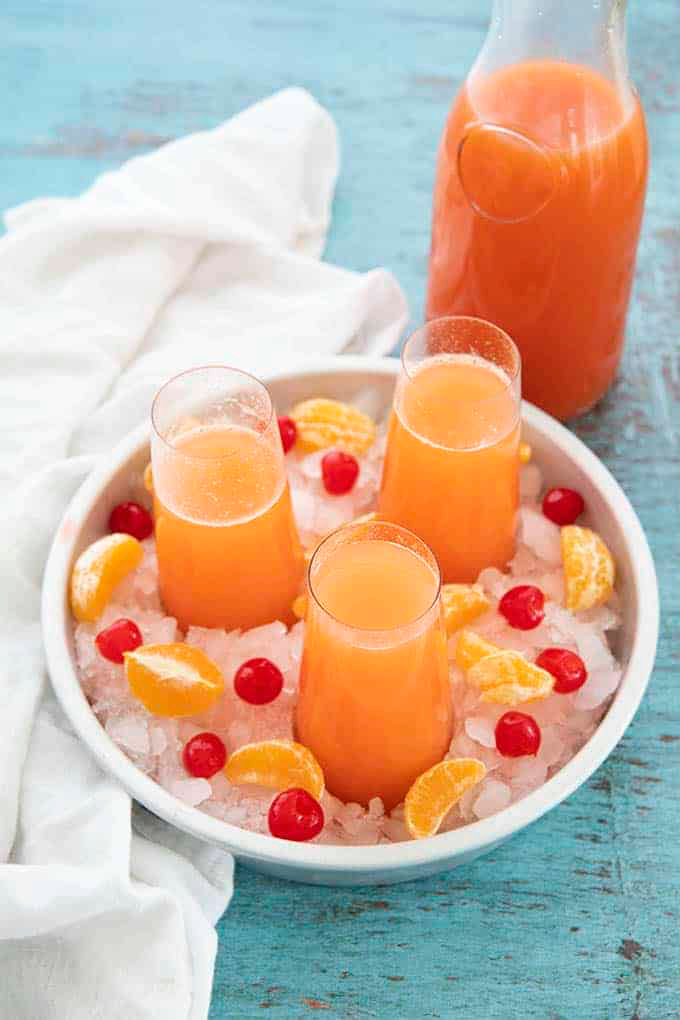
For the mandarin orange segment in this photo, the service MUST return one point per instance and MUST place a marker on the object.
(148, 478)
(589, 569)
(98, 570)
(462, 604)
(276, 764)
(506, 678)
(299, 606)
(174, 679)
(525, 453)
(435, 792)
(471, 648)
(322, 423)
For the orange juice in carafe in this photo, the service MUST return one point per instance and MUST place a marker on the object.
(539, 194)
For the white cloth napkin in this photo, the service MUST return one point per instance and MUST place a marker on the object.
(205, 250)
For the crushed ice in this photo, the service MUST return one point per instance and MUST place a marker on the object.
(155, 744)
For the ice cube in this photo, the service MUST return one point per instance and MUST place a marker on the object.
(191, 791)
(482, 730)
(332, 512)
(494, 796)
(540, 535)
(530, 483)
(310, 466)
(601, 683)
(304, 507)
(130, 731)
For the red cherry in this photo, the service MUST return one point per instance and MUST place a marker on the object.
(132, 519)
(258, 681)
(563, 506)
(567, 667)
(295, 815)
(522, 606)
(204, 755)
(288, 430)
(340, 471)
(517, 734)
(120, 636)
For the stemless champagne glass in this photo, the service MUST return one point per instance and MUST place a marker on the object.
(228, 550)
(451, 471)
(375, 699)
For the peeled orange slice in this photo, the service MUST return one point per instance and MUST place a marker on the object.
(299, 606)
(98, 570)
(148, 478)
(435, 792)
(462, 604)
(471, 648)
(525, 453)
(322, 423)
(277, 764)
(506, 678)
(173, 679)
(588, 568)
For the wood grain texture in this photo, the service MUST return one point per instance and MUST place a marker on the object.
(577, 917)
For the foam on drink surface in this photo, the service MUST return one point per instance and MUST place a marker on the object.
(224, 474)
(458, 401)
(375, 585)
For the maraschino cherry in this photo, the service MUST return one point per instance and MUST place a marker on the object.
(120, 636)
(567, 667)
(295, 815)
(258, 681)
(204, 755)
(131, 519)
(339, 471)
(563, 506)
(517, 735)
(288, 431)
(522, 606)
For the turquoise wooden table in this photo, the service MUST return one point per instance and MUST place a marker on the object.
(578, 917)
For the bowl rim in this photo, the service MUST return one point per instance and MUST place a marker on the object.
(470, 839)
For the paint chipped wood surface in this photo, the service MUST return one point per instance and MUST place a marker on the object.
(578, 917)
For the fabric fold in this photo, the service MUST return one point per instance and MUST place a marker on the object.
(206, 250)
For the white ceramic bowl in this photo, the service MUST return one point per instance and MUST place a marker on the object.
(564, 460)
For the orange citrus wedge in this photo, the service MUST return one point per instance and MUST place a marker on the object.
(173, 679)
(322, 423)
(98, 570)
(435, 792)
(462, 604)
(506, 678)
(588, 568)
(471, 648)
(299, 606)
(277, 764)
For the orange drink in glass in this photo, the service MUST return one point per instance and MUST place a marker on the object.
(451, 471)
(375, 700)
(228, 551)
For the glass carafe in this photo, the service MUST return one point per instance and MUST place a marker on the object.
(538, 199)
